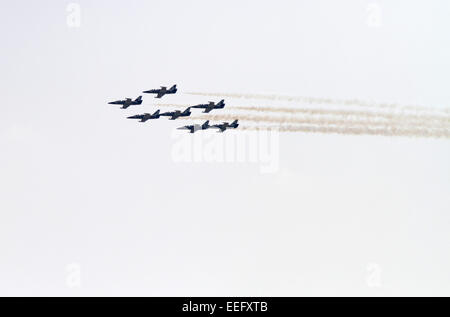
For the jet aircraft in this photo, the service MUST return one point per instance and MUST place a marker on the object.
(211, 105)
(162, 91)
(127, 102)
(146, 116)
(196, 127)
(177, 113)
(225, 125)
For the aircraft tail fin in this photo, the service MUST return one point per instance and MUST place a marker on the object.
(156, 112)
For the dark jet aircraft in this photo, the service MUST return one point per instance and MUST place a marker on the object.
(127, 102)
(211, 105)
(177, 113)
(196, 127)
(146, 116)
(163, 91)
(226, 125)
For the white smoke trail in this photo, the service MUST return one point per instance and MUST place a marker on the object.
(328, 120)
(393, 116)
(413, 118)
(314, 100)
(358, 130)
(340, 121)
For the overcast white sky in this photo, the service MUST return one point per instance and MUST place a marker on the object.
(91, 197)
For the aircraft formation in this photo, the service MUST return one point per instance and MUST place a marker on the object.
(173, 115)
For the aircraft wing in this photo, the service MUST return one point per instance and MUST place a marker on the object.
(208, 109)
(160, 94)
